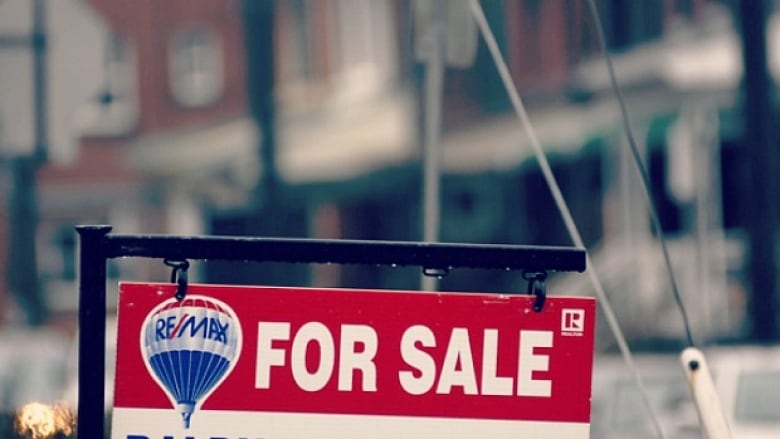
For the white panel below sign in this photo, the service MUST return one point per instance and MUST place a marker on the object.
(159, 424)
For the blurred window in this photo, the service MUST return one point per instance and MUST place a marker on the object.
(305, 46)
(735, 178)
(580, 177)
(669, 212)
(115, 110)
(582, 40)
(477, 91)
(758, 397)
(304, 54)
(685, 7)
(367, 52)
(57, 252)
(631, 22)
(344, 49)
(195, 67)
(66, 243)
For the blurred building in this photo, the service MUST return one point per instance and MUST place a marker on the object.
(173, 144)
(168, 69)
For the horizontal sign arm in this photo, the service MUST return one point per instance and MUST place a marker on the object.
(398, 253)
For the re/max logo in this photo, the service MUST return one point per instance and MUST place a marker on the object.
(206, 327)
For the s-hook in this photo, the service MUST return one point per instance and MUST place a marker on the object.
(537, 287)
(179, 276)
(436, 272)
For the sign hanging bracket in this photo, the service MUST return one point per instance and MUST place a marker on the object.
(537, 287)
(436, 272)
(179, 276)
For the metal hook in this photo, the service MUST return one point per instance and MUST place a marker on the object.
(537, 288)
(436, 272)
(179, 276)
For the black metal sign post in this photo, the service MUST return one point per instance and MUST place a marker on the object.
(97, 245)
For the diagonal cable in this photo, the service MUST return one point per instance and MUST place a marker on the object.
(644, 178)
(563, 208)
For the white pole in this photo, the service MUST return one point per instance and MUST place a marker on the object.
(705, 397)
(434, 82)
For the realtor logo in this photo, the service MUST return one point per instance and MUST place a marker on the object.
(572, 320)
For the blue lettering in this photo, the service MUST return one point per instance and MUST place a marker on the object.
(170, 323)
(217, 331)
(163, 328)
(223, 332)
(158, 334)
(138, 436)
(194, 329)
(214, 329)
(207, 327)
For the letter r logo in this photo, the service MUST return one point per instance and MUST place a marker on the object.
(572, 320)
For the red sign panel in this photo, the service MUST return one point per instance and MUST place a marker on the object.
(267, 362)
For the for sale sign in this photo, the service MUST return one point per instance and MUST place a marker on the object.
(249, 362)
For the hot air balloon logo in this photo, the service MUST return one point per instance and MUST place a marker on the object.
(190, 347)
